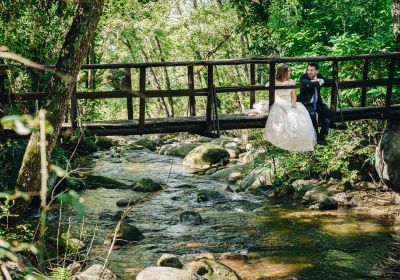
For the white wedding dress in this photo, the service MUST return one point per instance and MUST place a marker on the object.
(287, 128)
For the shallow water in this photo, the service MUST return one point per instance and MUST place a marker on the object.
(281, 240)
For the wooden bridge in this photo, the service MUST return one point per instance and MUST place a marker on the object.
(212, 121)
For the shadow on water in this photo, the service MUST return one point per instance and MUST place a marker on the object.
(278, 240)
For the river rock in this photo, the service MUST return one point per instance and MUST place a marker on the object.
(388, 157)
(257, 178)
(209, 256)
(94, 272)
(177, 149)
(328, 203)
(169, 260)
(342, 198)
(100, 181)
(126, 234)
(146, 185)
(165, 273)
(147, 143)
(226, 173)
(206, 155)
(316, 194)
(191, 217)
(211, 270)
(127, 201)
(233, 152)
(74, 267)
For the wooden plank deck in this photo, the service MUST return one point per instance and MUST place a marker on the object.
(198, 125)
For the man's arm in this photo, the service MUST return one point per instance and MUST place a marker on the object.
(305, 81)
(327, 82)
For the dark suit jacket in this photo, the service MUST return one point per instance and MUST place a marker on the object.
(307, 92)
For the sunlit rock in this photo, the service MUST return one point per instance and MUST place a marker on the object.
(96, 272)
(211, 270)
(206, 155)
(177, 149)
(169, 260)
(165, 273)
(388, 157)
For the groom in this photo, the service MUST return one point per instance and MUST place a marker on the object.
(310, 96)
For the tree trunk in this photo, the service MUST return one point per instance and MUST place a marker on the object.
(73, 53)
(146, 57)
(167, 81)
(396, 20)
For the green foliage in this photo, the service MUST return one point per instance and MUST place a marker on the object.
(59, 273)
(350, 156)
(72, 198)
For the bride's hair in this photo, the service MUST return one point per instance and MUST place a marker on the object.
(282, 73)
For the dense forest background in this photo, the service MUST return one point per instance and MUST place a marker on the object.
(147, 31)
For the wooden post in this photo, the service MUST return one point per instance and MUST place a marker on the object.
(271, 83)
(74, 110)
(192, 99)
(363, 100)
(128, 85)
(252, 82)
(210, 84)
(335, 92)
(391, 69)
(142, 106)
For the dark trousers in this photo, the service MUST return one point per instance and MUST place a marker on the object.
(324, 116)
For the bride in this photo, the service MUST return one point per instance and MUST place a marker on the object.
(289, 124)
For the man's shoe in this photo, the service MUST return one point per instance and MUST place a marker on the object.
(322, 141)
(340, 126)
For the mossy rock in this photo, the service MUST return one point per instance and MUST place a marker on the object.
(224, 174)
(146, 185)
(178, 149)
(127, 233)
(147, 143)
(206, 155)
(98, 181)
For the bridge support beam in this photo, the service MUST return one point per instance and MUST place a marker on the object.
(210, 99)
(192, 100)
(2, 93)
(335, 90)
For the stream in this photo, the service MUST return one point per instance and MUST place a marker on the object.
(277, 239)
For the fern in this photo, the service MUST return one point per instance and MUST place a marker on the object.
(59, 273)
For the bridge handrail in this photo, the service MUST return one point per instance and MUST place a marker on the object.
(191, 92)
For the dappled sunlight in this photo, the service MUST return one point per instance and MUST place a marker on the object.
(353, 228)
(143, 166)
(267, 267)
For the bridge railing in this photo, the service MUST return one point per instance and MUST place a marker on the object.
(191, 92)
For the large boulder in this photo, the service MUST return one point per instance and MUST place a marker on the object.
(96, 272)
(177, 149)
(210, 269)
(165, 273)
(206, 155)
(388, 157)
